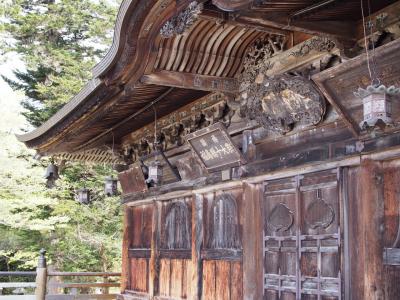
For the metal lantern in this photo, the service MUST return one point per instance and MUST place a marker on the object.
(51, 175)
(110, 186)
(83, 196)
(377, 105)
(155, 173)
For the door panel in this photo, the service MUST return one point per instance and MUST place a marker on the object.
(302, 239)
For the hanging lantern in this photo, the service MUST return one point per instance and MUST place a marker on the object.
(110, 186)
(155, 173)
(51, 175)
(83, 196)
(377, 105)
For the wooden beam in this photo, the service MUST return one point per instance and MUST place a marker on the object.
(191, 81)
(336, 29)
(230, 19)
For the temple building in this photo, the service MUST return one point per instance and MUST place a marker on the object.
(257, 144)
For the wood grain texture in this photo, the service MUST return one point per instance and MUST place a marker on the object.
(139, 274)
(165, 272)
(252, 215)
(176, 278)
(126, 241)
(237, 283)
(209, 284)
(222, 280)
(372, 210)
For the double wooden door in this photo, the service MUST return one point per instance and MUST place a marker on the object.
(303, 238)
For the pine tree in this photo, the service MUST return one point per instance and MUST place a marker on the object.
(59, 42)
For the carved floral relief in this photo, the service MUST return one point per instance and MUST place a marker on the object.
(183, 21)
(278, 102)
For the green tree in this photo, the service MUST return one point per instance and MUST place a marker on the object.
(59, 42)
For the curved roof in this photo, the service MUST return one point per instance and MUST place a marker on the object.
(142, 68)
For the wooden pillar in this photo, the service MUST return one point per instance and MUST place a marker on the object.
(371, 204)
(126, 242)
(154, 256)
(196, 275)
(252, 214)
(41, 276)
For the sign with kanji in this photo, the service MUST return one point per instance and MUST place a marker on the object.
(215, 148)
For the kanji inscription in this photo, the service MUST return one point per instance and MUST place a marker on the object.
(215, 148)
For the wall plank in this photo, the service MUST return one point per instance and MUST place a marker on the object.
(165, 270)
(222, 279)
(237, 281)
(176, 278)
(209, 287)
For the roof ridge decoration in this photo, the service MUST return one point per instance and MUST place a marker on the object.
(181, 22)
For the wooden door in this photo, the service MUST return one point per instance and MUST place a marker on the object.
(302, 238)
(140, 248)
(175, 243)
(221, 254)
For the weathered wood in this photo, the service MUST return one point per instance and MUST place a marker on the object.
(139, 274)
(153, 263)
(372, 212)
(215, 148)
(252, 244)
(126, 243)
(132, 180)
(191, 81)
(164, 277)
(342, 30)
(195, 278)
(221, 254)
(179, 254)
(41, 277)
(208, 279)
(340, 82)
(223, 280)
(139, 253)
(237, 282)
(176, 278)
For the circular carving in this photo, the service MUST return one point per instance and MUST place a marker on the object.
(278, 103)
(319, 214)
(281, 218)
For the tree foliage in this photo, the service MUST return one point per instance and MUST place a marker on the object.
(77, 237)
(59, 42)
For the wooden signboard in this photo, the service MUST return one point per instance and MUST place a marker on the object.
(214, 148)
(132, 180)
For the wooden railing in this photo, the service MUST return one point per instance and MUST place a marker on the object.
(50, 285)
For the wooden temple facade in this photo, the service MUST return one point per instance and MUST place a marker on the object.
(277, 182)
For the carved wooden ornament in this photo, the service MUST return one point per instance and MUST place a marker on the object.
(281, 218)
(319, 214)
(183, 21)
(279, 103)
